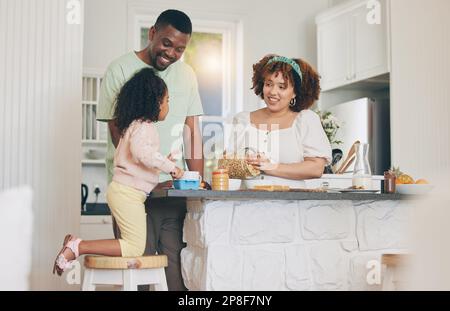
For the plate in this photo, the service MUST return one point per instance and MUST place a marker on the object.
(358, 191)
(251, 183)
(95, 154)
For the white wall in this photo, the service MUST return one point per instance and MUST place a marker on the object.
(105, 32)
(40, 117)
(337, 2)
(420, 92)
(286, 27)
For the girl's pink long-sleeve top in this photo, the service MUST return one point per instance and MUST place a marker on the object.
(137, 161)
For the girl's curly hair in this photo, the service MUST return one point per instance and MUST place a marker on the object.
(139, 99)
(307, 90)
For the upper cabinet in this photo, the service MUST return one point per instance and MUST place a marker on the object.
(353, 42)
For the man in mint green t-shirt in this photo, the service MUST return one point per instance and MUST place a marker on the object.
(168, 39)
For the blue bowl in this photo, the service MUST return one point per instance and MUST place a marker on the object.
(186, 184)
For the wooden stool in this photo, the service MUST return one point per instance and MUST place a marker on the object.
(392, 263)
(125, 272)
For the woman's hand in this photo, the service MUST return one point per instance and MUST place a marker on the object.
(261, 162)
(177, 173)
(308, 169)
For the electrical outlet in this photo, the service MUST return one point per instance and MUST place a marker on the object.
(97, 189)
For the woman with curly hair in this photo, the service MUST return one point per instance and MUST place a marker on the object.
(287, 137)
(142, 101)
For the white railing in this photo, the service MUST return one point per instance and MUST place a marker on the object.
(93, 133)
(92, 130)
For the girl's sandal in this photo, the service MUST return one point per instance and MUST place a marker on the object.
(61, 263)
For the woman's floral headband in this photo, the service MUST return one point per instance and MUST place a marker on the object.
(288, 61)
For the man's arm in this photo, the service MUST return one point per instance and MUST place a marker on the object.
(193, 144)
(115, 132)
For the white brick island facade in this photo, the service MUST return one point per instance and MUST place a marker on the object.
(263, 244)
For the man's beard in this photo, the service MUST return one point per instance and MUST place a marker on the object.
(155, 64)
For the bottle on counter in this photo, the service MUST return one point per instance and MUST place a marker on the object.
(220, 180)
(389, 182)
(362, 173)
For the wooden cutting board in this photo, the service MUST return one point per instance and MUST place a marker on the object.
(349, 159)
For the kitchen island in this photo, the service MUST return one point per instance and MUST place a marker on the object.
(252, 240)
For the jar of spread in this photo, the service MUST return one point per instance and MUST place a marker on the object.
(389, 182)
(220, 180)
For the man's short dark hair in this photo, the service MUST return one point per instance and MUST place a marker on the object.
(177, 19)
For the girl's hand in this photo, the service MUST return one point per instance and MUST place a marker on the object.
(177, 173)
(261, 162)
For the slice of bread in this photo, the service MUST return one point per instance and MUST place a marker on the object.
(272, 188)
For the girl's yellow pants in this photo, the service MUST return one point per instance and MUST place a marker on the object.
(128, 209)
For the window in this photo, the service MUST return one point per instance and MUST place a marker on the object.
(205, 55)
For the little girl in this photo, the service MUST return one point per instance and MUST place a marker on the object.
(142, 101)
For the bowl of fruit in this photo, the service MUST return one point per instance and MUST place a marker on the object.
(405, 184)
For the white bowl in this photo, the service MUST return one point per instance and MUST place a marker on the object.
(414, 189)
(95, 154)
(234, 184)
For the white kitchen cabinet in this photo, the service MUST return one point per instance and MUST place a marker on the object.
(350, 49)
(334, 52)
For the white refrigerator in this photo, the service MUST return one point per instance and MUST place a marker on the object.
(368, 121)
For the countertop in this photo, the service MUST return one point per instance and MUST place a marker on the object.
(265, 195)
(96, 209)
